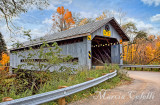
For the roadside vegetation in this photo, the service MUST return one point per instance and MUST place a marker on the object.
(40, 79)
(21, 86)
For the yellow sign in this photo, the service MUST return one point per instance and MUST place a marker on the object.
(89, 37)
(106, 33)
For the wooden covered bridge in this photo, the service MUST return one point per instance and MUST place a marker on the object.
(90, 45)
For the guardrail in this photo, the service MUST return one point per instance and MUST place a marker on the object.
(141, 66)
(56, 94)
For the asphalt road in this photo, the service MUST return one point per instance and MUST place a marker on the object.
(144, 90)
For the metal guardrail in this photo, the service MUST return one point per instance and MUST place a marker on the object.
(141, 66)
(56, 94)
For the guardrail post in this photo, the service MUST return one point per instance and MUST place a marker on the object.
(90, 78)
(7, 99)
(62, 101)
(104, 74)
(10, 70)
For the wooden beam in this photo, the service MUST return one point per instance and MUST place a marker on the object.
(98, 60)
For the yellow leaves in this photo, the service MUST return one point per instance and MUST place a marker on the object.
(5, 59)
(151, 37)
(143, 51)
(82, 22)
(101, 17)
(158, 44)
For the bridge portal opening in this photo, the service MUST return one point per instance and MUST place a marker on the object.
(101, 50)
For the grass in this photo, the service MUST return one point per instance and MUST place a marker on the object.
(109, 84)
(68, 80)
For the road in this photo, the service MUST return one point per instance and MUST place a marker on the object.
(144, 90)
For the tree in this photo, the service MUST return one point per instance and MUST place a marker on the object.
(130, 29)
(85, 21)
(12, 8)
(121, 15)
(151, 38)
(101, 17)
(143, 51)
(140, 35)
(3, 48)
(63, 19)
(5, 59)
(49, 59)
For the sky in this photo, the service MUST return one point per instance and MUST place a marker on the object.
(144, 13)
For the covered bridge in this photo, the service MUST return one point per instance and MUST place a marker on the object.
(90, 45)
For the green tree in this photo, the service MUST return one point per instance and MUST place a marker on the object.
(140, 34)
(130, 28)
(3, 47)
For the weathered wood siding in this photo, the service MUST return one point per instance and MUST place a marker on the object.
(78, 50)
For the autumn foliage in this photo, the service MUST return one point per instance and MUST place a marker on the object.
(143, 51)
(63, 19)
(4, 61)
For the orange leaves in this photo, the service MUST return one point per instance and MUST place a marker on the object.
(5, 59)
(63, 20)
(68, 17)
(61, 10)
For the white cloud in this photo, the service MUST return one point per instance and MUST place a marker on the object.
(151, 2)
(88, 14)
(141, 25)
(53, 3)
(37, 33)
(47, 21)
(8, 37)
(155, 18)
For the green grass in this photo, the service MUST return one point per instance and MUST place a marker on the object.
(68, 80)
(109, 84)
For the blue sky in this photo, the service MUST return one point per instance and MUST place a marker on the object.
(144, 13)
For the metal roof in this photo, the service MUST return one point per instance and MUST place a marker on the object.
(74, 32)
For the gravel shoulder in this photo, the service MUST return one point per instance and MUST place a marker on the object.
(144, 90)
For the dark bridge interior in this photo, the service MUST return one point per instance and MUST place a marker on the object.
(101, 50)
